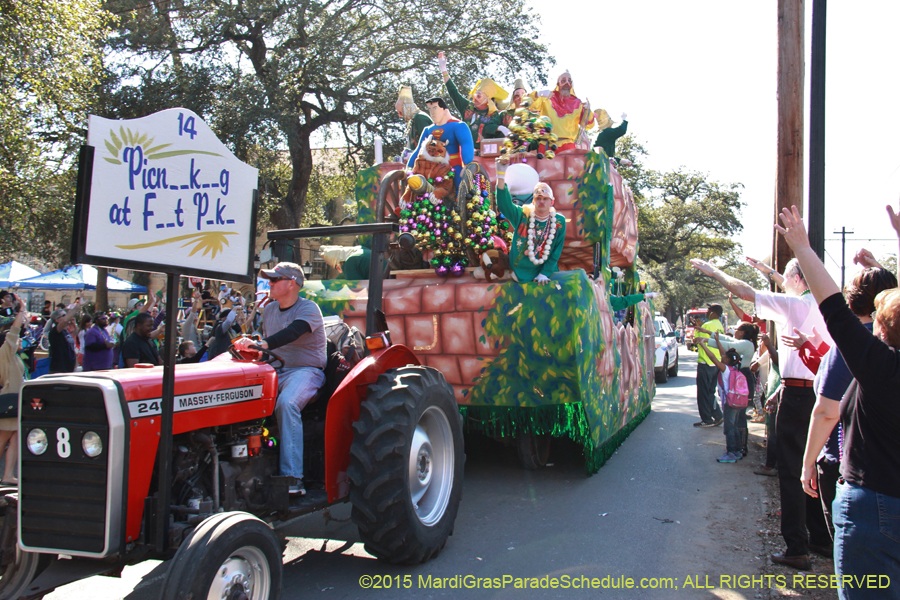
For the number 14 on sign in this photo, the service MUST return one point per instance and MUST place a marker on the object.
(186, 125)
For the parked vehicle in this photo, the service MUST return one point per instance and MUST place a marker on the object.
(666, 344)
(692, 317)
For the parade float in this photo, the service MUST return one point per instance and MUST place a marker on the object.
(527, 362)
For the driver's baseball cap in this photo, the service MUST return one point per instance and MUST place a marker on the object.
(284, 270)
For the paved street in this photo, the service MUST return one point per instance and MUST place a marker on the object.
(662, 507)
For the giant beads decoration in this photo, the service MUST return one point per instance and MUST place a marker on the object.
(481, 224)
(529, 131)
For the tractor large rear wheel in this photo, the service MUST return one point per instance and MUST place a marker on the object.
(406, 465)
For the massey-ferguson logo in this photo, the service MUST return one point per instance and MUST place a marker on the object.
(37, 404)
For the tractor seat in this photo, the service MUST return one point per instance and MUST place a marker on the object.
(336, 368)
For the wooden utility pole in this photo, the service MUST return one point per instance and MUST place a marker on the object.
(101, 295)
(789, 175)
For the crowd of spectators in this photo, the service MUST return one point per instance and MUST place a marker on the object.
(105, 340)
(82, 341)
(832, 409)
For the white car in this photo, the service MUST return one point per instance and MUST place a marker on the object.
(666, 350)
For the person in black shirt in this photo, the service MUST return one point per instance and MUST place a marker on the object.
(223, 331)
(62, 342)
(139, 348)
(188, 353)
(866, 508)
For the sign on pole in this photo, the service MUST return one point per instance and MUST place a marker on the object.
(162, 193)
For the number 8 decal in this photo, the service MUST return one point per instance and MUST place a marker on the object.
(62, 443)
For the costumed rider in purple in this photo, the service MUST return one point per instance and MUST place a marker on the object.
(538, 231)
(295, 327)
(454, 133)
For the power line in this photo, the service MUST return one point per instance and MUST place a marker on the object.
(843, 233)
(861, 239)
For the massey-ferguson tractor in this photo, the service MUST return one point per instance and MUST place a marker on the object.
(388, 440)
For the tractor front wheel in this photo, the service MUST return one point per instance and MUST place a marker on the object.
(406, 465)
(18, 575)
(23, 566)
(229, 555)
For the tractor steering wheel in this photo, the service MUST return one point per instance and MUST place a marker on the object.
(268, 357)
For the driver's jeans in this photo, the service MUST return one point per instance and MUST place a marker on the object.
(296, 387)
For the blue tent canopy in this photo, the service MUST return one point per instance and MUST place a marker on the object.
(15, 271)
(77, 277)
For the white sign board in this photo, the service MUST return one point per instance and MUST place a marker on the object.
(165, 191)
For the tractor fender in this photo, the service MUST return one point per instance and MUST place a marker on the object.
(343, 411)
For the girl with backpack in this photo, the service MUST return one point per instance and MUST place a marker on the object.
(734, 394)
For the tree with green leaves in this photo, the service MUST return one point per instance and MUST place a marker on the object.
(683, 215)
(285, 76)
(49, 63)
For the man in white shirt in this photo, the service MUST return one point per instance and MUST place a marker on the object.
(803, 524)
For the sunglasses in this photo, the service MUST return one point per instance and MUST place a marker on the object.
(275, 279)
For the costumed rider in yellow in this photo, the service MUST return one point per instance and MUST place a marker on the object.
(538, 231)
(569, 115)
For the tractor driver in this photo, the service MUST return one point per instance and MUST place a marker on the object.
(294, 326)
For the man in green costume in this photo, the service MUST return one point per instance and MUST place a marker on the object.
(608, 135)
(538, 232)
(518, 94)
(416, 120)
(479, 111)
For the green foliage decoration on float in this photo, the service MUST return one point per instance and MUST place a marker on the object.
(545, 380)
(594, 200)
(366, 190)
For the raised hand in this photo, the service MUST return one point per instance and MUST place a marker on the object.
(866, 258)
(794, 231)
(702, 266)
(815, 338)
(795, 341)
(895, 219)
(756, 264)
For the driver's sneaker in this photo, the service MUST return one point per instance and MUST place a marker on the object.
(297, 489)
(728, 457)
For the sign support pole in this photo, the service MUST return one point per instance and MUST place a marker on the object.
(167, 407)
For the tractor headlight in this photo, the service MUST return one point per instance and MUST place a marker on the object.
(92, 444)
(36, 441)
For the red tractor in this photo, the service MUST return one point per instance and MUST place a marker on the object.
(388, 440)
